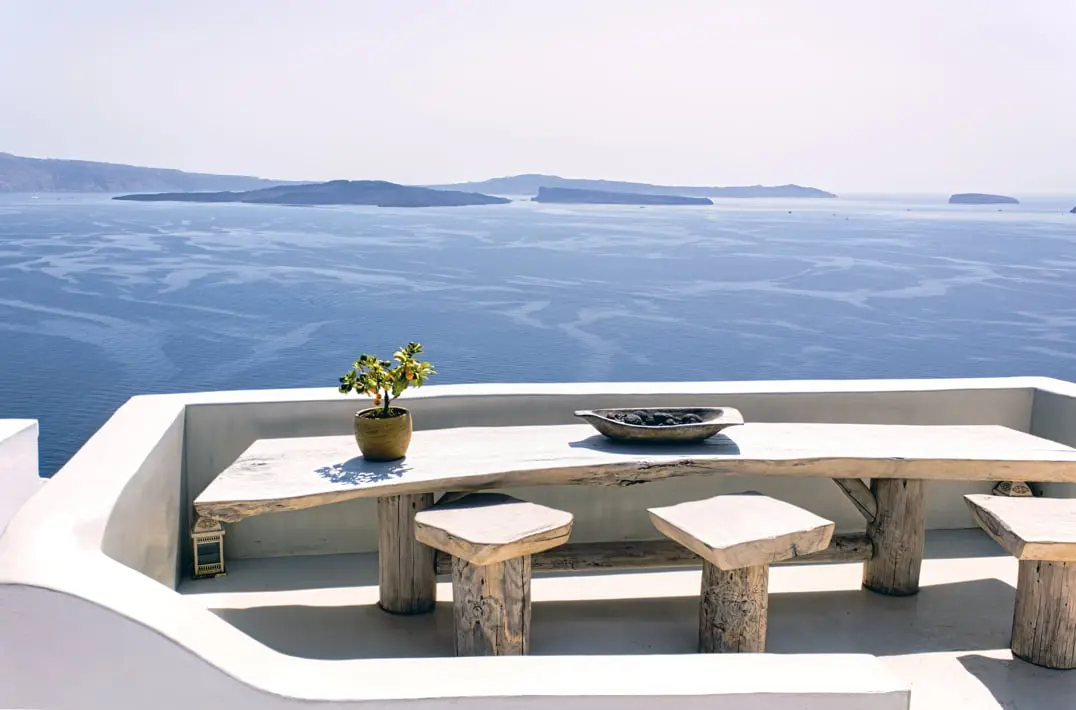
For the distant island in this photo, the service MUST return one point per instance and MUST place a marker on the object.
(531, 183)
(561, 195)
(336, 192)
(21, 174)
(18, 174)
(1073, 211)
(979, 198)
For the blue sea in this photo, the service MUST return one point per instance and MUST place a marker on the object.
(102, 300)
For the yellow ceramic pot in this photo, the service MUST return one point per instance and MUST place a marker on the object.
(383, 439)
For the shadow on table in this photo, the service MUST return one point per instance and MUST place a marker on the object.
(1017, 684)
(719, 444)
(965, 616)
(358, 471)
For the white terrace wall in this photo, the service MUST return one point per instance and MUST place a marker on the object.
(1053, 416)
(19, 475)
(220, 426)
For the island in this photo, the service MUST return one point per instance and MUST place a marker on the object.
(979, 198)
(376, 193)
(1073, 211)
(561, 195)
(19, 174)
(529, 184)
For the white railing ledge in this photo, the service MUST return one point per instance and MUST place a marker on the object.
(19, 474)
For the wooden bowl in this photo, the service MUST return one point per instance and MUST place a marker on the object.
(714, 419)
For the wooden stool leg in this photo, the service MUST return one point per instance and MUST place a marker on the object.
(492, 607)
(406, 571)
(732, 609)
(1044, 619)
(897, 536)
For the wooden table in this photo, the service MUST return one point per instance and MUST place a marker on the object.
(291, 474)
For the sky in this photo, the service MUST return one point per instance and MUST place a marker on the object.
(846, 95)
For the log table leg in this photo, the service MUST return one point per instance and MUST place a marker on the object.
(492, 607)
(732, 609)
(1044, 619)
(897, 535)
(406, 571)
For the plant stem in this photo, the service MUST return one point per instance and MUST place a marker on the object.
(387, 402)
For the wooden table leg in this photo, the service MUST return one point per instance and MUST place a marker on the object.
(492, 607)
(732, 609)
(406, 570)
(1044, 618)
(897, 535)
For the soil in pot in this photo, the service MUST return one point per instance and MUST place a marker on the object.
(645, 418)
(380, 437)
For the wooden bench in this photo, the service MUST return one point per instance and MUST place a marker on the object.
(738, 537)
(1041, 534)
(491, 537)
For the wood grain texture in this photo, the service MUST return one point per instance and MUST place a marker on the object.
(860, 494)
(291, 474)
(1029, 528)
(732, 609)
(492, 607)
(658, 554)
(408, 584)
(485, 528)
(1044, 618)
(898, 534)
(744, 529)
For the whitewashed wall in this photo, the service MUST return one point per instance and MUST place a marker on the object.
(89, 617)
(19, 476)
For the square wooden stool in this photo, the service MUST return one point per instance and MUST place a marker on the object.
(1041, 533)
(491, 537)
(738, 537)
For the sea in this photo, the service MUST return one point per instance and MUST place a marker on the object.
(101, 300)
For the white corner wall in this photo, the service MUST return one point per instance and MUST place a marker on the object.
(19, 475)
(115, 663)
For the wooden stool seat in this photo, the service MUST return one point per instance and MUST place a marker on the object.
(738, 537)
(491, 537)
(1041, 534)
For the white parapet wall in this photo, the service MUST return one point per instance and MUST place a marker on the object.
(90, 617)
(19, 475)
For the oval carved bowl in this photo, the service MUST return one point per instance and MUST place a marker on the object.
(712, 421)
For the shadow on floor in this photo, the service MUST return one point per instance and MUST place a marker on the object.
(964, 616)
(1021, 686)
(360, 570)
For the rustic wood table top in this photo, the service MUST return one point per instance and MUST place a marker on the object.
(291, 474)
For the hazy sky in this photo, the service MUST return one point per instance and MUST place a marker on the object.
(853, 96)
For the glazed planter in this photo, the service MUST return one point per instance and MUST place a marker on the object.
(383, 438)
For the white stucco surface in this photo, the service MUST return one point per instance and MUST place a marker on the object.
(89, 565)
(19, 475)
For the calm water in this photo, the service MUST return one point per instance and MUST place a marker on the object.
(102, 300)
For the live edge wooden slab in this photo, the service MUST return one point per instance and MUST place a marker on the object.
(291, 474)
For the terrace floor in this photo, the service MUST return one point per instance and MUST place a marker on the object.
(950, 641)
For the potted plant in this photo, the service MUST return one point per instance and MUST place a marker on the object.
(384, 431)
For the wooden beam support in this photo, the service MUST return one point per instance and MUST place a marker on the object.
(405, 565)
(732, 609)
(860, 494)
(898, 535)
(651, 554)
(492, 607)
(1044, 618)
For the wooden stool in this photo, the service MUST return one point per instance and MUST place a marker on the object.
(491, 538)
(1041, 533)
(738, 537)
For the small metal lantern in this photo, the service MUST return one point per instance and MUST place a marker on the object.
(208, 542)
